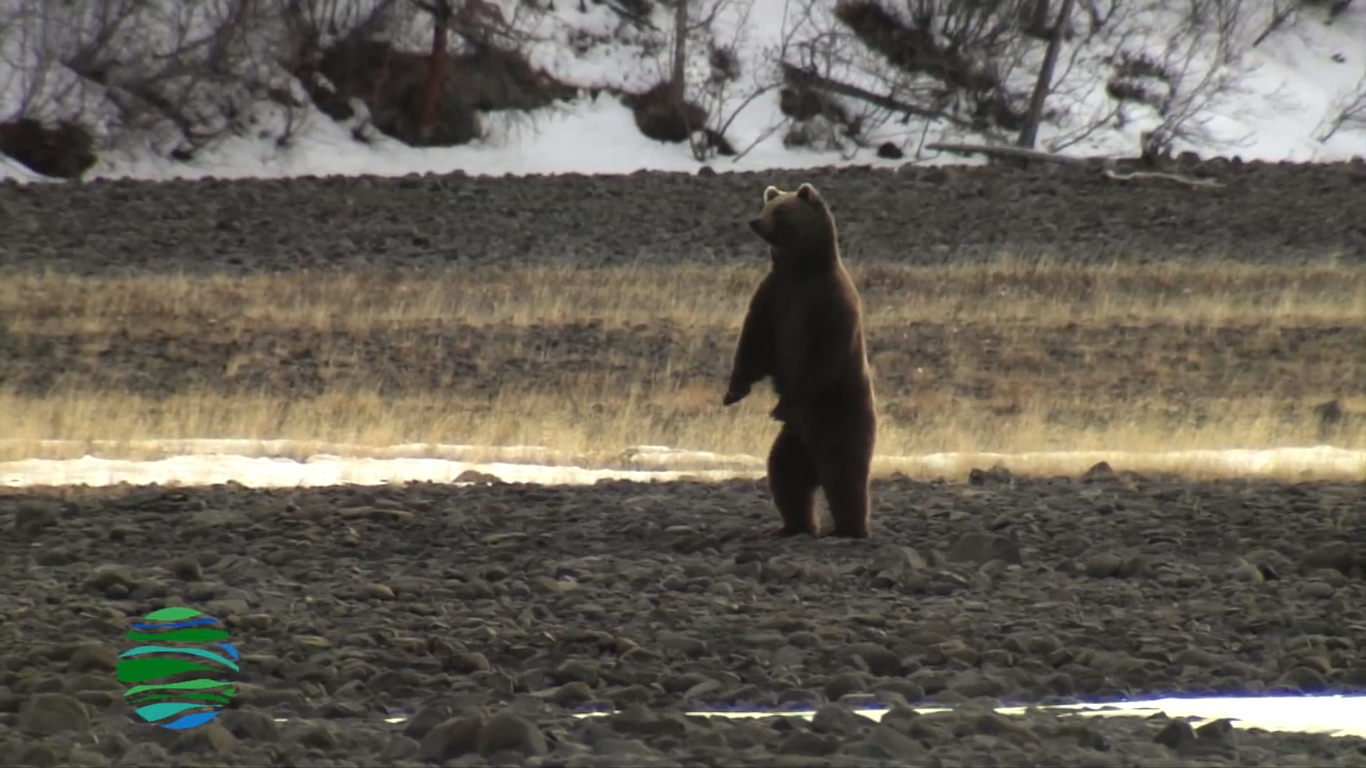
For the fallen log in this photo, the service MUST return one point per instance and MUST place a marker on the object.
(1187, 180)
(1106, 169)
(1022, 153)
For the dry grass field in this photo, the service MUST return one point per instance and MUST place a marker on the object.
(1008, 357)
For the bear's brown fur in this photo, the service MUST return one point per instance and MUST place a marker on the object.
(804, 330)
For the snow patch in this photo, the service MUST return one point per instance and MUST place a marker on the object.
(278, 463)
(1334, 715)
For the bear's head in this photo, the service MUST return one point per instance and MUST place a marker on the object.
(797, 224)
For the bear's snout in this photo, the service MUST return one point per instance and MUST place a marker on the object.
(757, 225)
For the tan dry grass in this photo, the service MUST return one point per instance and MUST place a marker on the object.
(1018, 297)
(686, 421)
(1031, 294)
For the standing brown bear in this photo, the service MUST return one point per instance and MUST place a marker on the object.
(804, 329)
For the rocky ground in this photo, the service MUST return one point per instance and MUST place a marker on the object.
(487, 614)
(1263, 213)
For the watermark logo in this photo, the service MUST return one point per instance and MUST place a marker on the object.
(176, 672)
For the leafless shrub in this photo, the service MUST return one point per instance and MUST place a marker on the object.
(211, 72)
(494, 35)
(933, 60)
(1283, 12)
(35, 39)
(312, 26)
(180, 73)
(702, 83)
(727, 89)
(972, 66)
(413, 59)
(1169, 66)
(1194, 69)
(189, 73)
(814, 49)
(1348, 111)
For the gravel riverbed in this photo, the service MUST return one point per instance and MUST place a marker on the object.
(488, 614)
(1263, 213)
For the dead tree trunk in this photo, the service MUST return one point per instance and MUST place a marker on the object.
(677, 82)
(1030, 132)
(435, 82)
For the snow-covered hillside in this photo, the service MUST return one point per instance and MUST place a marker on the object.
(1222, 94)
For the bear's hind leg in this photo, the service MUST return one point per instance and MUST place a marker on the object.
(844, 461)
(793, 482)
(847, 494)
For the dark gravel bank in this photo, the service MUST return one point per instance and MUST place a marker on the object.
(489, 612)
(1265, 213)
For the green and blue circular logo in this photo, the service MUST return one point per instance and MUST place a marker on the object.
(177, 671)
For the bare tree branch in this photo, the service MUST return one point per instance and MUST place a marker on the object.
(1350, 109)
(811, 79)
(1280, 14)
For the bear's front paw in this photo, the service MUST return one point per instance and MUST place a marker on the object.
(734, 396)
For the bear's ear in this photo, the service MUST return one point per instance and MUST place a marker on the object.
(771, 193)
(807, 192)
